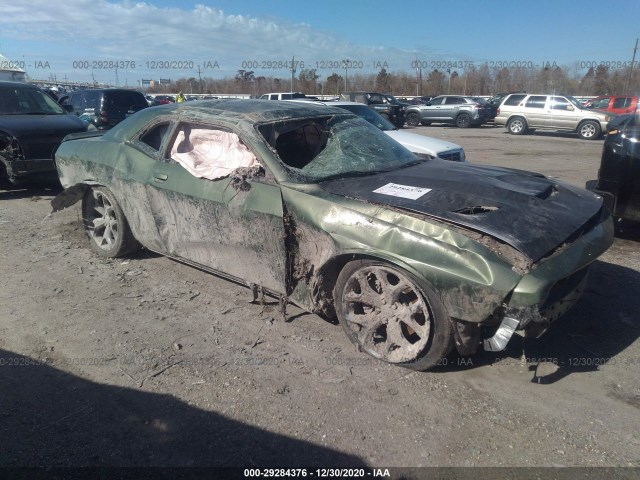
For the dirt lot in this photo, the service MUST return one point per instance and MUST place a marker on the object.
(145, 361)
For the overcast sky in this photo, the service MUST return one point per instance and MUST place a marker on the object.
(171, 39)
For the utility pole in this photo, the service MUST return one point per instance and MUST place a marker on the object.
(199, 80)
(293, 71)
(346, 75)
(633, 59)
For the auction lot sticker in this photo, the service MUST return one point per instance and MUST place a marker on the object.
(404, 191)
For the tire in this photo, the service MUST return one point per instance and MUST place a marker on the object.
(463, 120)
(106, 226)
(517, 126)
(589, 130)
(413, 119)
(375, 300)
(398, 122)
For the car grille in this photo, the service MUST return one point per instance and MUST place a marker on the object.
(454, 155)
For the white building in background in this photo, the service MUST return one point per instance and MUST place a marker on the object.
(11, 70)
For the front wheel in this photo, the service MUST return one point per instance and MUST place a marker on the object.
(589, 130)
(463, 120)
(106, 225)
(388, 315)
(413, 119)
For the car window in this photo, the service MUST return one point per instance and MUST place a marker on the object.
(560, 103)
(370, 115)
(536, 101)
(622, 102)
(437, 101)
(600, 103)
(76, 101)
(153, 138)
(91, 99)
(211, 153)
(124, 100)
(322, 148)
(514, 100)
(360, 97)
(453, 101)
(15, 101)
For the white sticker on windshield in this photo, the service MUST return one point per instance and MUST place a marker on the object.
(404, 191)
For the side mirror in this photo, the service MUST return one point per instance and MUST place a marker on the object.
(570, 108)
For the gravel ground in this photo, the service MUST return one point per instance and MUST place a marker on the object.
(143, 361)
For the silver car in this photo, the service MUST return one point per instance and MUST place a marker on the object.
(522, 112)
(458, 110)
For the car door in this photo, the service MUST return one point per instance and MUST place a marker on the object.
(622, 105)
(630, 189)
(434, 111)
(562, 113)
(536, 111)
(231, 224)
(451, 107)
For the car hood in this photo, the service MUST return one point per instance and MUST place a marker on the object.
(21, 126)
(422, 144)
(532, 213)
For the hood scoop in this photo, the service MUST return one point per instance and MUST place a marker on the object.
(475, 210)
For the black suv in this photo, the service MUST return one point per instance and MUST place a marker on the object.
(386, 105)
(105, 107)
(619, 175)
(32, 125)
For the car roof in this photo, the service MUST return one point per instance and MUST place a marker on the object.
(18, 84)
(250, 110)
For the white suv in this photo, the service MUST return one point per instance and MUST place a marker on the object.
(522, 112)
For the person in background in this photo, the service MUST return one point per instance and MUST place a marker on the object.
(181, 97)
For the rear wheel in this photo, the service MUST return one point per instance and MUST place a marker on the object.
(106, 225)
(463, 120)
(413, 119)
(388, 315)
(517, 126)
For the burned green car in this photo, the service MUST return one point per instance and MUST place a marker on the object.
(317, 207)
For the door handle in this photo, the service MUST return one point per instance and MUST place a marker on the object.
(160, 177)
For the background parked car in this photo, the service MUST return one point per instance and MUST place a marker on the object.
(521, 113)
(32, 125)
(104, 108)
(386, 105)
(282, 96)
(619, 174)
(615, 104)
(163, 99)
(457, 110)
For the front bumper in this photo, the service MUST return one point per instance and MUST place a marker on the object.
(547, 292)
(20, 169)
